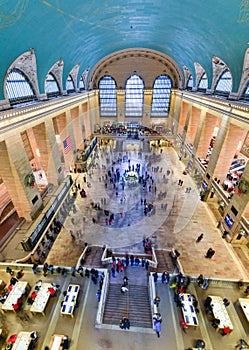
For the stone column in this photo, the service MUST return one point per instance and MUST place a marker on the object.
(193, 125)
(197, 136)
(210, 122)
(52, 153)
(185, 128)
(175, 114)
(232, 138)
(81, 126)
(17, 176)
(76, 126)
(222, 133)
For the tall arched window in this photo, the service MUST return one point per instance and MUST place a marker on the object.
(203, 84)
(134, 96)
(70, 84)
(224, 84)
(18, 88)
(107, 97)
(51, 86)
(161, 96)
(245, 94)
(190, 82)
(81, 84)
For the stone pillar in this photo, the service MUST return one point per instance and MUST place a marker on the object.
(207, 131)
(185, 128)
(211, 168)
(15, 172)
(76, 126)
(86, 120)
(82, 126)
(193, 125)
(121, 106)
(198, 135)
(54, 170)
(175, 114)
(146, 120)
(93, 112)
(233, 136)
(183, 117)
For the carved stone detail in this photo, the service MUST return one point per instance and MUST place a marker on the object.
(57, 71)
(26, 63)
(245, 74)
(219, 67)
(187, 74)
(152, 62)
(85, 77)
(74, 75)
(199, 71)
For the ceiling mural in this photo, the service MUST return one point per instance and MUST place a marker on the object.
(85, 31)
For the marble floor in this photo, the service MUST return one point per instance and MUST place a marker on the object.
(176, 221)
(176, 226)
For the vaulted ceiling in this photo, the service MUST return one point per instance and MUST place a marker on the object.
(85, 31)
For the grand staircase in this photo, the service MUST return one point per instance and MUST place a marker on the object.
(164, 261)
(134, 304)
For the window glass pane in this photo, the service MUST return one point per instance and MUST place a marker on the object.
(81, 84)
(161, 96)
(51, 86)
(224, 85)
(107, 97)
(190, 82)
(70, 84)
(203, 85)
(18, 88)
(246, 93)
(134, 97)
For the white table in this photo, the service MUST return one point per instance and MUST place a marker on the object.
(188, 310)
(18, 290)
(56, 342)
(41, 299)
(22, 341)
(220, 312)
(244, 303)
(69, 300)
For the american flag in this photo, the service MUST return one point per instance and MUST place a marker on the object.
(67, 144)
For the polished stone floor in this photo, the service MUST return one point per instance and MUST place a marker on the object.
(177, 226)
(178, 219)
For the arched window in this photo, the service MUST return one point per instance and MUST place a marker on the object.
(190, 83)
(203, 84)
(134, 96)
(107, 97)
(70, 84)
(161, 96)
(18, 88)
(224, 84)
(81, 84)
(51, 86)
(245, 94)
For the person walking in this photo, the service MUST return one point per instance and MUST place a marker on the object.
(199, 238)
(155, 276)
(210, 253)
(157, 301)
(125, 280)
(34, 268)
(157, 325)
(98, 294)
